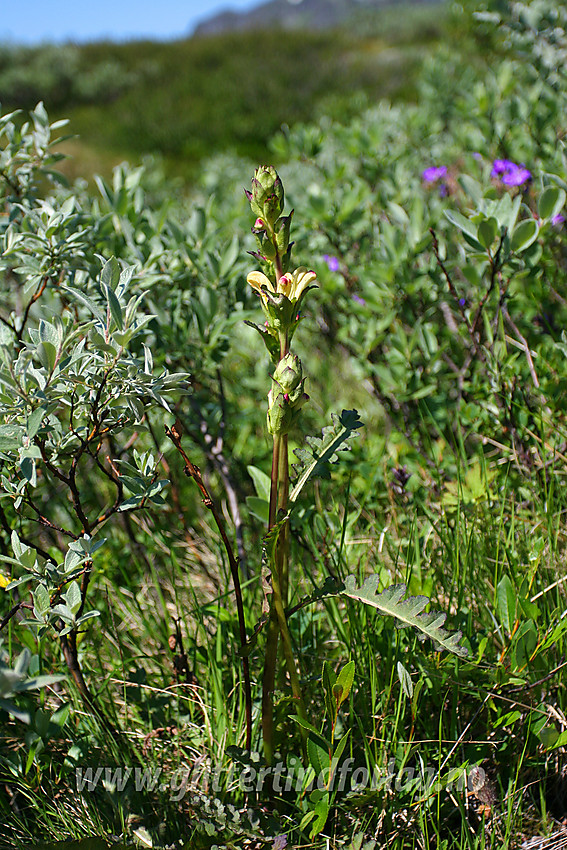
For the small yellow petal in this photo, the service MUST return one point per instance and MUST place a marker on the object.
(4, 580)
(302, 279)
(257, 280)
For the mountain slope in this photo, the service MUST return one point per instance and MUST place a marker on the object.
(287, 14)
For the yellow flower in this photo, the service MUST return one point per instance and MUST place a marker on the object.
(292, 284)
(4, 580)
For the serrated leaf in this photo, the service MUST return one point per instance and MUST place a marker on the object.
(321, 451)
(408, 612)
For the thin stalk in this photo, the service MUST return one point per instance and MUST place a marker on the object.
(279, 493)
(288, 650)
(274, 483)
(272, 635)
(283, 542)
(268, 684)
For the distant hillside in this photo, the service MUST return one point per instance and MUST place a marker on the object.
(293, 15)
(195, 97)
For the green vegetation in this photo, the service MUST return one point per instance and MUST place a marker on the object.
(383, 666)
(192, 98)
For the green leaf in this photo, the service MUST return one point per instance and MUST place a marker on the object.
(560, 741)
(525, 642)
(11, 437)
(262, 482)
(36, 683)
(524, 235)
(339, 749)
(408, 612)
(229, 257)
(260, 508)
(506, 602)
(47, 354)
(41, 600)
(34, 422)
(73, 597)
(305, 724)
(28, 470)
(321, 451)
(114, 306)
(472, 188)
(321, 815)
(487, 232)
(465, 225)
(110, 275)
(198, 223)
(344, 681)
(10, 708)
(319, 753)
(84, 299)
(551, 202)
(405, 680)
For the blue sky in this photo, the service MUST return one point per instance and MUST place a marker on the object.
(34, 21)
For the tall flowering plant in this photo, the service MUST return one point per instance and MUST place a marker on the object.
(281, 293)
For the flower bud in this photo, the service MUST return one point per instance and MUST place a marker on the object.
(282, 229)
(280, 414)
(266, 246)
(267, 196)
(289, 373)
(286, 398)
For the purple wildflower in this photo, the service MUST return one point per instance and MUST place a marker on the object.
(434, 173)
(332, 263)
(358, 299)
(510, 173)
(557, 220)
(280, 842)
(462, 302)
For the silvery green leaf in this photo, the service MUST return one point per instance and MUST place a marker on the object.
(409, 611)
